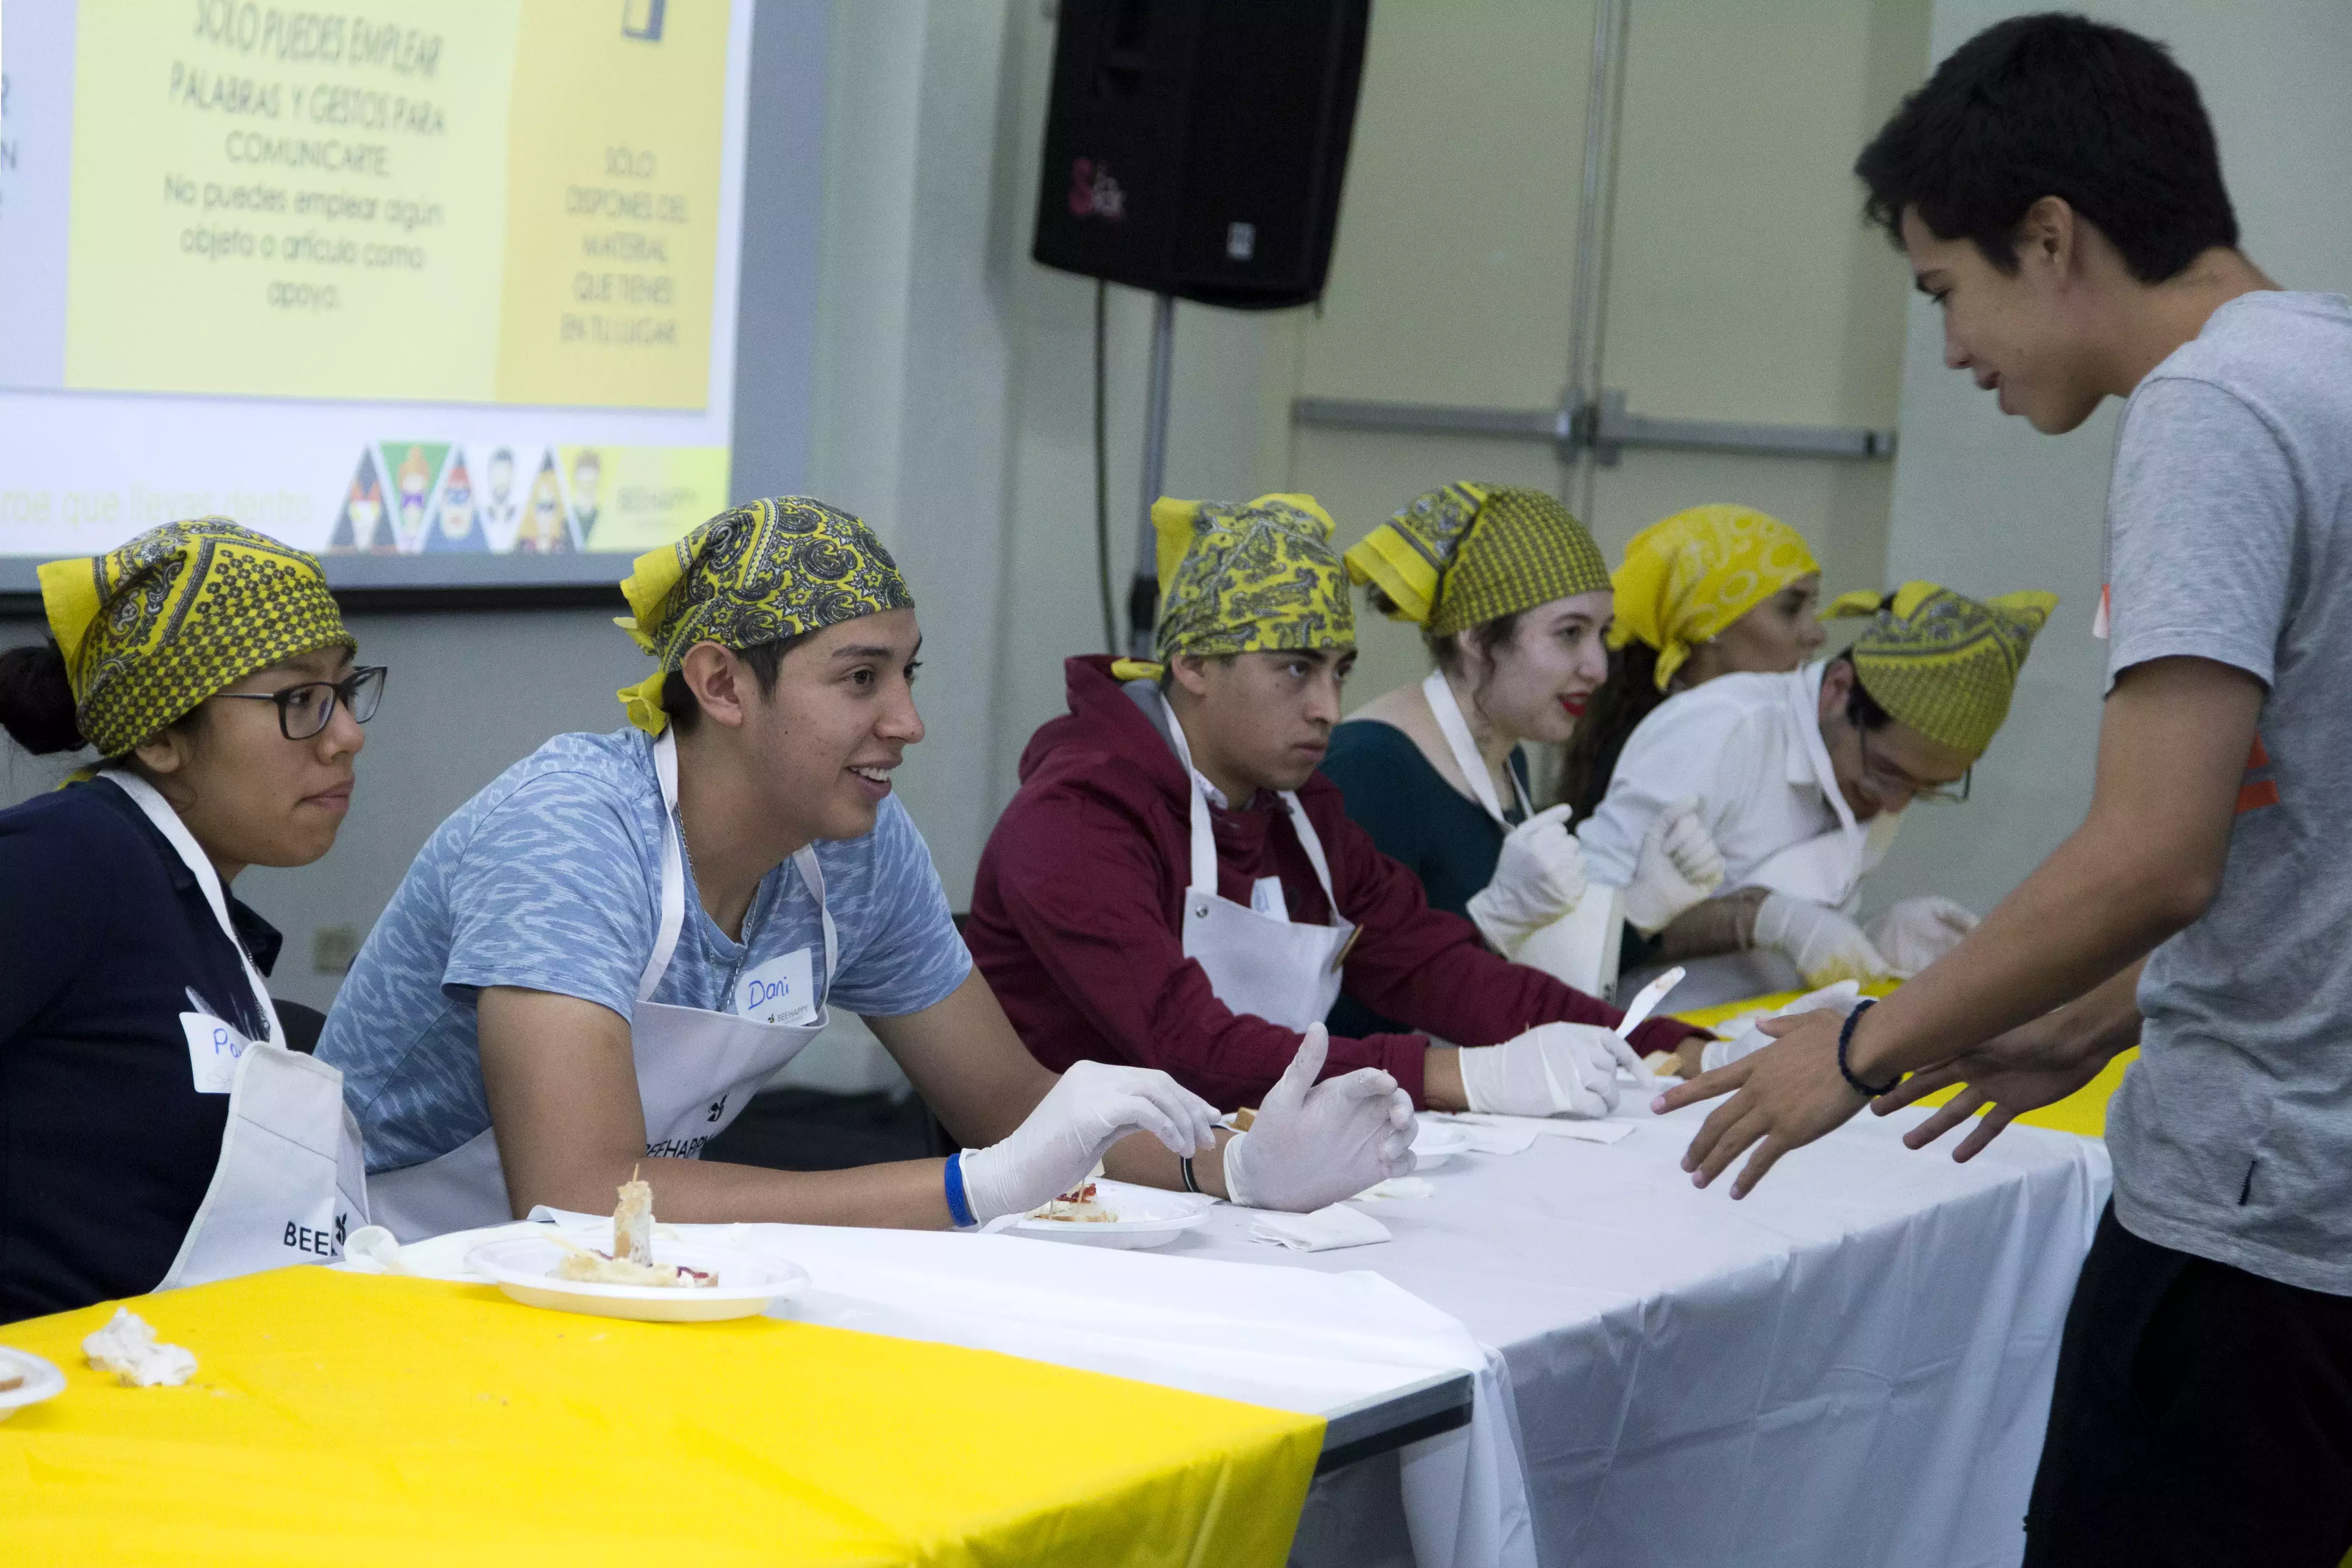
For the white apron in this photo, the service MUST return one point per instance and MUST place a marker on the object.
(696, 1070)
(1439, 694)
(291, 1183)
(1828, 868)
(1263, 964)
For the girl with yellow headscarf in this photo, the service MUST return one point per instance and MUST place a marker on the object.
(157, 1111)
(1712, 590)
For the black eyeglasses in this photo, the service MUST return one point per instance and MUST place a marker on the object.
(304, 711)
(1883, 779)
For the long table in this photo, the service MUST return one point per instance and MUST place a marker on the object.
(1851, 1365)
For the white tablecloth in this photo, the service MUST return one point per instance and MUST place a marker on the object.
(1851, 1365)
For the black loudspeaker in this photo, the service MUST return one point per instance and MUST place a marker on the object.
(1196, 147)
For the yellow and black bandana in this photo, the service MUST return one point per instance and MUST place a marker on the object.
(1470, 554)
(1941, 662)
(178, 615)
(766, 571)
(1258, 577)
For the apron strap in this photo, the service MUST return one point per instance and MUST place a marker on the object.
(1439, 694)
(1313, 844)
(167, 821)
(813, 878)
(673, 869)
(673, 882)
(1204, 841)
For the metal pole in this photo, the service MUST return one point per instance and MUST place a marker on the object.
(1577, 409)
(1143, 598)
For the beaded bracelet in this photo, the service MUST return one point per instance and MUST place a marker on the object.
(1845, 1038)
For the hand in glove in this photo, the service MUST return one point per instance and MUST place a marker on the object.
(1092, 1107)
(1314, 1143)
(1678, 867)
(1824, 946)
(1838, 998)
(1916, 933)
(1553, 1069)
(1539, 878)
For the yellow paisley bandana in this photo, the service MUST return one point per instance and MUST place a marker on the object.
(176, 616)
(1690, 575)
(769, 570)
(1470, 554)
(1941, 662)
(1253, 578)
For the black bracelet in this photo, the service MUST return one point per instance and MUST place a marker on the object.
(1184, 1163)
(1845, 1038)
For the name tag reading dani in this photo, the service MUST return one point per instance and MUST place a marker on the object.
(214, 1049)
(778, 992)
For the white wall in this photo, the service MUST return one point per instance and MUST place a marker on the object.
(1984, 503)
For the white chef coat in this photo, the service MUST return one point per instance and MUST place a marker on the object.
(1748, 748)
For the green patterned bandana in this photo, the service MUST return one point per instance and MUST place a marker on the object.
(180, 614)
(1470, 554)
(1941, 662)
(766, 571)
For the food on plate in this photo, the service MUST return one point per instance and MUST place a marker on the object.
(631, 1261)
(585, 1265)
(1239, 1120)
(9, 1384)
(633, 1222)
(127, 1348)
(1080, 1205)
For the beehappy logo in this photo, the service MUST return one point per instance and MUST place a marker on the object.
(1095, 191)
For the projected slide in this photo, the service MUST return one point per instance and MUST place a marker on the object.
(404, 278)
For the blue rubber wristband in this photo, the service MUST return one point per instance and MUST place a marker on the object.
(959, 1209)
(1845, 1038)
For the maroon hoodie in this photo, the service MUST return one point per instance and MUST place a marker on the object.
(1076, 918)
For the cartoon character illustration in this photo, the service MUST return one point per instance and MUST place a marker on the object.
(587, 474)
(360, 524)
(544, 531)
(458, 527)
(500, 512)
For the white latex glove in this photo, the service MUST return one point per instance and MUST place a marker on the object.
(1838, 998)
(1824, 945)
(1092, 1107)
(1553, 1069)
(1539, 878)
(1916, 933)
(1678, 867)
(1314, 1143)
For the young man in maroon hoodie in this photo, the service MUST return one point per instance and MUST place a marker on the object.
(1176, 887)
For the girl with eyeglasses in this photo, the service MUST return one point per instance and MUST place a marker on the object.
(160, 1130)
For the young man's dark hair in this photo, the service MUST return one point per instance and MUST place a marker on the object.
(2057, 105)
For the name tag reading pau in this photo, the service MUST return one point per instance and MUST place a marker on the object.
(214, 1049)
(778, 992)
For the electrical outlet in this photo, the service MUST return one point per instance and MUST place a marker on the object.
(333, 949)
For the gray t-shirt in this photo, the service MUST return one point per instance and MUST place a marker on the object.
(2229, 538)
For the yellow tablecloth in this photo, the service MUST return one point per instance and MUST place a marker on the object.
(2083, 1112)
(340, 1419)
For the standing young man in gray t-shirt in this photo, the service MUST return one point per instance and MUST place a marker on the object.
(2058, 192)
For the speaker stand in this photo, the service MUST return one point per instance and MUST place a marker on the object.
(1143, 598)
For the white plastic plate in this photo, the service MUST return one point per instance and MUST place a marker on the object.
(42, 1381)
(748, 1282)
(1146, 1217)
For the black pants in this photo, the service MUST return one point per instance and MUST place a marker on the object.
(2202, 1416)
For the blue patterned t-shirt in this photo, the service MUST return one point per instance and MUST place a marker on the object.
(551, 881)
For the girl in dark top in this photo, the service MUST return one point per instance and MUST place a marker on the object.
(159, 1131)
(1513, 598)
